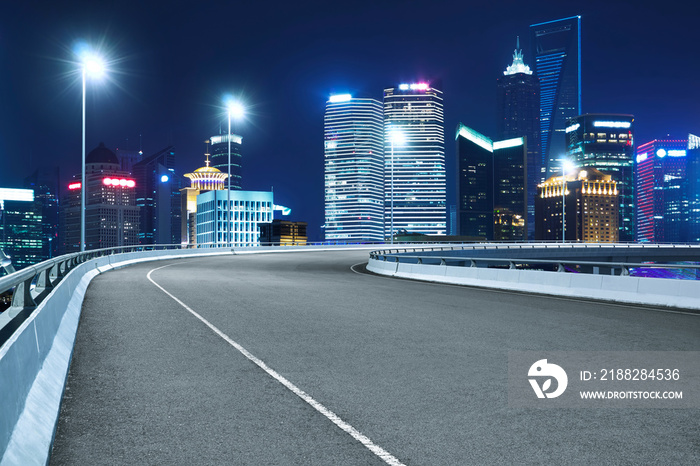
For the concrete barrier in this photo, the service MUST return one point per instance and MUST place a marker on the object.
(34, 362)
(661, 292)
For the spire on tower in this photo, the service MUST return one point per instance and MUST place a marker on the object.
(518, 65)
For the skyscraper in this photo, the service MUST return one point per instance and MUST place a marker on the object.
(692, 172)
(202, 179)
(158, 196)
(606, 142)
(354, 169)
(21, 235)
(45, 184)
(519, 116)
(492, 186)
(111, 213)
(661, 190)
(414, 167)
(219, 157)
(557, 58)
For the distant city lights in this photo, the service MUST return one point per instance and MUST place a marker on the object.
(414, 87)
(612, 124)
(124, 183)
(73, 186)
(164, 179)
(339, 98)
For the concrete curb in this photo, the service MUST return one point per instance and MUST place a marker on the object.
(662, 292)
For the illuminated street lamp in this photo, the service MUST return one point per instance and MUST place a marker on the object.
(235, 110)
(566, 167)
(396, 137)
(94, 66)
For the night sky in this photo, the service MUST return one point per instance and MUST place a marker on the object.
(172, 63)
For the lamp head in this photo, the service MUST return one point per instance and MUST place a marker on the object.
(93, 65)
(235, 109)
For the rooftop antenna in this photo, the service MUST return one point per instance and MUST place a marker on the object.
(206, 154)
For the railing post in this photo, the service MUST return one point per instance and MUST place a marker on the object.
(560, 267)
(22, 297)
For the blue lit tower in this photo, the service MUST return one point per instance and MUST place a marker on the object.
(414, 170)
(557, 58)
(519, 116)
(606, 142)
(354, 169)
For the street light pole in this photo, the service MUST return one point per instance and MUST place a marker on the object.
(82, 172)
(228, 191)
(563, 204)
(392, 190)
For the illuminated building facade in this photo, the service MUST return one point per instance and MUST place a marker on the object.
(606, 142)
(202, 179)
(219, 157)
(556, 48)
(591, 208)
(354, 169)
(158, 197)
(519, 116)
(21, 234)
(692, 171)
(246, 212)
(662, 200)
(283, 233)
(414, 169)
(45, 184)
(492, 186)
(111, 214)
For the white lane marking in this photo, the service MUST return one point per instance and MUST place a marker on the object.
(356, 434)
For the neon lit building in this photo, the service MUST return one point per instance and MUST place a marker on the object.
(591, 208)
(414, 170)
(354, 169)
(21, 234)
(606, 142)
(219, 157)
(556, 48)
(492, 186)
(111, 213)
(662, 203)
(519, 116)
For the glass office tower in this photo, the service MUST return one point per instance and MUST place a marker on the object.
(492, 186)
(353, 169)
(219, 157)
(414, 168)
(556, 48)
(606, 142)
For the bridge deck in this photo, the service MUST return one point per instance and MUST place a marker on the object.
(420, 369)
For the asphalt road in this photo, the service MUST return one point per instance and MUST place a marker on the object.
(418, 368)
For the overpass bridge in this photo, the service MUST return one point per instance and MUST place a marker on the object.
(306, 358)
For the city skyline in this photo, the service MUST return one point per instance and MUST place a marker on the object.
(168, 86)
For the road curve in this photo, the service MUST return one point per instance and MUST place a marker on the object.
(418, 369)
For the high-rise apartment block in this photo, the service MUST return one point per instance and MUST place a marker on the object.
(354, 169)
(556, 48)
(585, 203)
(414, 160)
(492, 186)
(606, 142)
(519, 116)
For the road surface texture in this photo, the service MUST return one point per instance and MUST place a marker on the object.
(419, 369)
